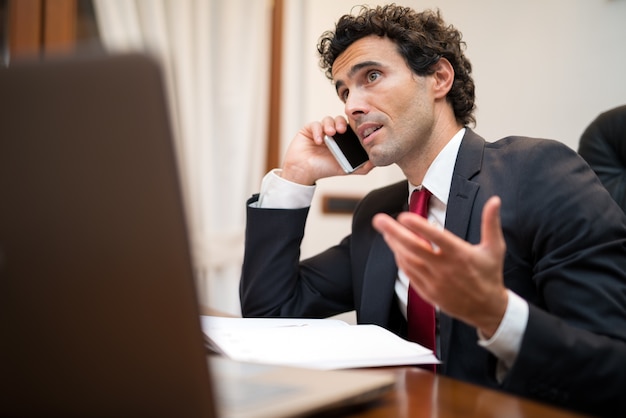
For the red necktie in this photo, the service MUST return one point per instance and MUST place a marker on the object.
(420, 314)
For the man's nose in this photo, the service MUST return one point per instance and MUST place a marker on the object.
(356, 104)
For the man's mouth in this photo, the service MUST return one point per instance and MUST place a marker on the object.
(368, 131)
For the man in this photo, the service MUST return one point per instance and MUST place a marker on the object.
(523, 253)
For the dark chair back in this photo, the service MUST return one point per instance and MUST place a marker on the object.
(603, 146)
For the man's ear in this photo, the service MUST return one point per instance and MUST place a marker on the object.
(443, 76)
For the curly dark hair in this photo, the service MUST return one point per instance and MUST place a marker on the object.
(422, 39)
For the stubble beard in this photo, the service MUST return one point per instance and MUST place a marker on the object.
(383, 155)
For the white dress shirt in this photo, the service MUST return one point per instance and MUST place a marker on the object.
(279, 193)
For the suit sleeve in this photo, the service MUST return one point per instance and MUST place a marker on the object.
(275, 283)
(573, 352)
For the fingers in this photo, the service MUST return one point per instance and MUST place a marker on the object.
(307, 158)
(327, 126)
(316, 132)
(491, 228)
(408, 225)
(411, 252)
(441, 239)
(399, 237)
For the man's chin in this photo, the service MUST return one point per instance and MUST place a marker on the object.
(381, 160)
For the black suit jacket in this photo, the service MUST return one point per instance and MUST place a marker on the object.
(566, 255)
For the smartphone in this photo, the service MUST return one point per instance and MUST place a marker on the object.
(347, 150)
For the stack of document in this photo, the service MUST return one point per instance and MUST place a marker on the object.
(313, 343)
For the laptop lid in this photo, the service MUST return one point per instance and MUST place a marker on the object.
(98, 309)
(96, 288)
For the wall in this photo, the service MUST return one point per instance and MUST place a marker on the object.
(542, 68)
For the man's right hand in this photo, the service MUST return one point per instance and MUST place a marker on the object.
(308, 159)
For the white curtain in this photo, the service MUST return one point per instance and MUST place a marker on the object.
(215, 57)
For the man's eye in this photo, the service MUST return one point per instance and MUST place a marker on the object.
(344, 95)
(373, 76)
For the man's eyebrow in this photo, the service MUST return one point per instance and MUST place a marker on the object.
(355, 69)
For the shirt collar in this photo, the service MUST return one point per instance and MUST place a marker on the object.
(438, 178)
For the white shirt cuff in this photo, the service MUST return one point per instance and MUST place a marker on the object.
(278, 193)
(506, 342)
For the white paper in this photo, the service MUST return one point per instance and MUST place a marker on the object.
(218, 322)
(318, 343)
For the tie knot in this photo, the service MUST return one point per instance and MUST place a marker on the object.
(419, 201)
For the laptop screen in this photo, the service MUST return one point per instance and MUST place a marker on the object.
(98, 312)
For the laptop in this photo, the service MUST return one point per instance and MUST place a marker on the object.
(98, 305)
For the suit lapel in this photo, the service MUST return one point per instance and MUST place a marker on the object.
(380, 273)
(378, 284)
(463, 190)
(460, 204)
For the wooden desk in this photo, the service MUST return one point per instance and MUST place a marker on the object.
(419, 393)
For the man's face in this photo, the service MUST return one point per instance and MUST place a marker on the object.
(389, 107)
